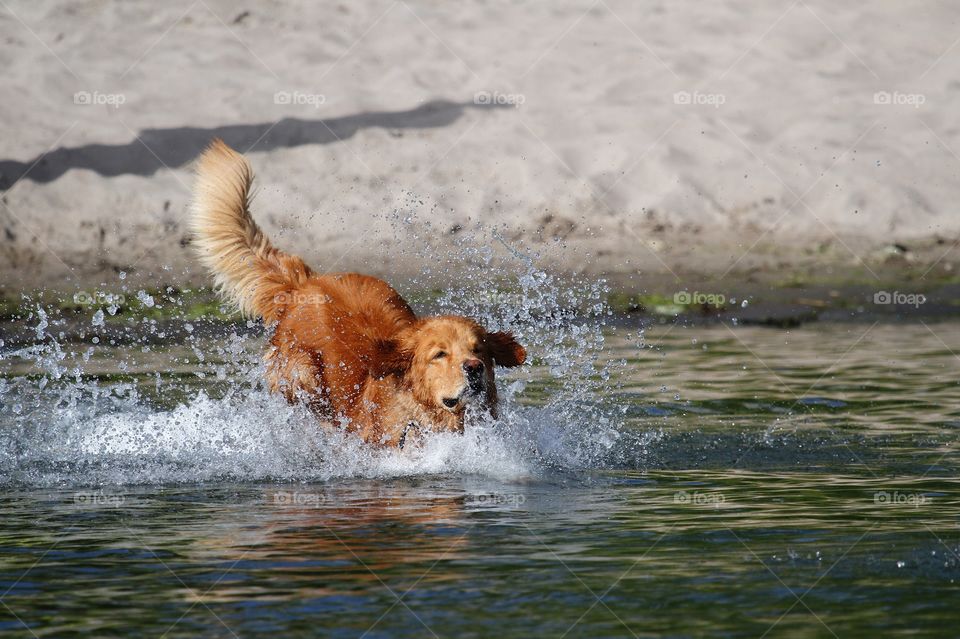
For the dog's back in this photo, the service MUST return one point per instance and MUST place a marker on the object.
(342, 321)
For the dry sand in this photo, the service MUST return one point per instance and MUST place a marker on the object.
(612, 136)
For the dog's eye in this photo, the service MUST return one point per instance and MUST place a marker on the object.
(440, 355)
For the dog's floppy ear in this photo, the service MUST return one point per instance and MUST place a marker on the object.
(505, 350)
(389, 357)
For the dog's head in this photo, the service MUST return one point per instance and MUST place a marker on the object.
(448, 362)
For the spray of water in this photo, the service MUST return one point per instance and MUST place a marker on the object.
(205, 414)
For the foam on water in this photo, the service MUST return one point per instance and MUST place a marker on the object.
(62, 427)
(257, 436)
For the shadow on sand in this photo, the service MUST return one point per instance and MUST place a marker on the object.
(155, 149)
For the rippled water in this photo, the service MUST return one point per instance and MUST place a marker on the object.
(689, 481)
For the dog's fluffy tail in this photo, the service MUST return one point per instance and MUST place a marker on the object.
(247, 269)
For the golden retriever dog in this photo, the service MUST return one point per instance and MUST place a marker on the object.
(347, 345)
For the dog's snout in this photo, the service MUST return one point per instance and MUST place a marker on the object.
(473, 367)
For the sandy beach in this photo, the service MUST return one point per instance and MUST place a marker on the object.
(632, 139)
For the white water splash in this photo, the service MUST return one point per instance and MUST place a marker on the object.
(257, 436)
(69, 429)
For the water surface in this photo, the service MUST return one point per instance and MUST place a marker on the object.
(692, 481)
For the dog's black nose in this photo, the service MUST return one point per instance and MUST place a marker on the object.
(473, 367)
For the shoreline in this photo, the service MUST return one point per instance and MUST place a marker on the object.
(179, 312)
